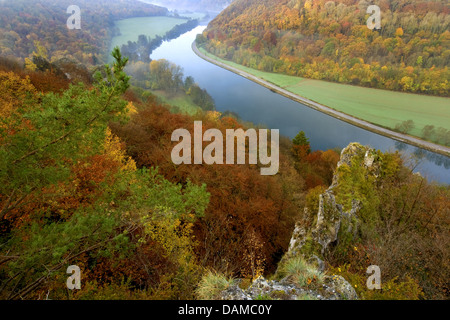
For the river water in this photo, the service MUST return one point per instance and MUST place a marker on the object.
(255, 103)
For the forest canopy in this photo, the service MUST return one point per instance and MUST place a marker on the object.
(330, 40)
(87, 180)
(23, 22)
(86, 176)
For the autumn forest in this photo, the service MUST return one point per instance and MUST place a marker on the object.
(86, 176)
(329, 40)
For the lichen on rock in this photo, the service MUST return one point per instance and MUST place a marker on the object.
(331, 215)
(336, 218)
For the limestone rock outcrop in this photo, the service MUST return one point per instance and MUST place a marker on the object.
(334, 288)
(330, 221)
(331, 217)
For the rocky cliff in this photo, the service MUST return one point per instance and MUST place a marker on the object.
(331, 217)
(330, 221)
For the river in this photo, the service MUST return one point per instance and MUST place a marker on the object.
(255, 103)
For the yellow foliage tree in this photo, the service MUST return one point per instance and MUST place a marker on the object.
(13, 91)
(41, 52)
(30, 65)
(175, 236)
(131, 109)
(114, 148)
(407, 83)
(399, 32)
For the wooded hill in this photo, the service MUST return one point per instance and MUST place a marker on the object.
(23, 22)
(201, 5)
(330, 40)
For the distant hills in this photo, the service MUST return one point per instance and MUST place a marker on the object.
(210, 5)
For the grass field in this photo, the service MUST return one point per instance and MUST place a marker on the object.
(381, 107)
(152, 26)
(130, 29)
(182, 101)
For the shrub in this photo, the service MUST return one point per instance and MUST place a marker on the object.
(391, 289)
(300, 273)
(113, 291)
(211, 285)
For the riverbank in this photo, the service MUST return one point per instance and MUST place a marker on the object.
(329, 111)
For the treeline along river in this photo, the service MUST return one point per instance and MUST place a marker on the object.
(257, 104)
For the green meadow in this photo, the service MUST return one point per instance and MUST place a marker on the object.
(182, 102)
(381, 107)
(130, 29)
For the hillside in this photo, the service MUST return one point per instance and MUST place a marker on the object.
(87, 179)
(79, 186)
(330, 40)
(337, 224)
(25, 22)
